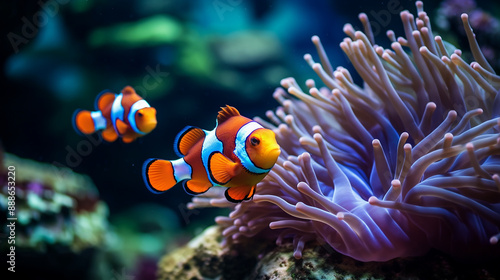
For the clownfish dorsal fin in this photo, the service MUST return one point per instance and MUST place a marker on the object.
(221, 168)
(226, 113)
(128, 90)
(186, 139)
(104, 99)
(121, 126)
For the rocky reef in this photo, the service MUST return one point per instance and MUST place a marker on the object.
(203, 258)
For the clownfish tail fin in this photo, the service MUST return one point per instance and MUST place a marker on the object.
(160, 175)
(83, 122)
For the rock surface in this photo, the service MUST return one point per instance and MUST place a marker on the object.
(203, 258)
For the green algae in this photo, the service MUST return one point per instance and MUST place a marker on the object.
(151, 31)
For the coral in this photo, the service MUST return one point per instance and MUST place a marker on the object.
(407, 162)
(180, 264)
(203, 258)
(61, 227)
(319, 263)
(55, 205)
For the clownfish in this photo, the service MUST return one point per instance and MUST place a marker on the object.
(124, 115)
(237, 154)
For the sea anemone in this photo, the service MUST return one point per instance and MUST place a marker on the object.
(408, 162)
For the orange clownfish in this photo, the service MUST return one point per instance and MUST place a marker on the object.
(126, 115)
(237, 154)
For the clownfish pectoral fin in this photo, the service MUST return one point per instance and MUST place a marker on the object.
(109, 134)
(104, 99)
(251, 193)
(221, 168)
(238, 194)
(121, 126)
(186, 139)
(83, 122)
(226, 113)
(158, 175)
(128, 139)
(195, 187)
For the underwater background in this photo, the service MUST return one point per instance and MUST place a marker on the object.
(187, 59)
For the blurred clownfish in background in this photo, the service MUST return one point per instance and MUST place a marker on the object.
(124, 115)
(237, 154)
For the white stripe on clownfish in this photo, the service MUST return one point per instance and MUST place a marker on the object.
(210, 145)
(182, 170)
(99, 120)
(117, 110)
(140, 104)
(240, 147)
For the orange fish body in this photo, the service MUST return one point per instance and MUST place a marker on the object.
(237, 154)
(125, 115)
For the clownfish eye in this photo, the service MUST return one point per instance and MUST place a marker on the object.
(139, 114)
(254, 141)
